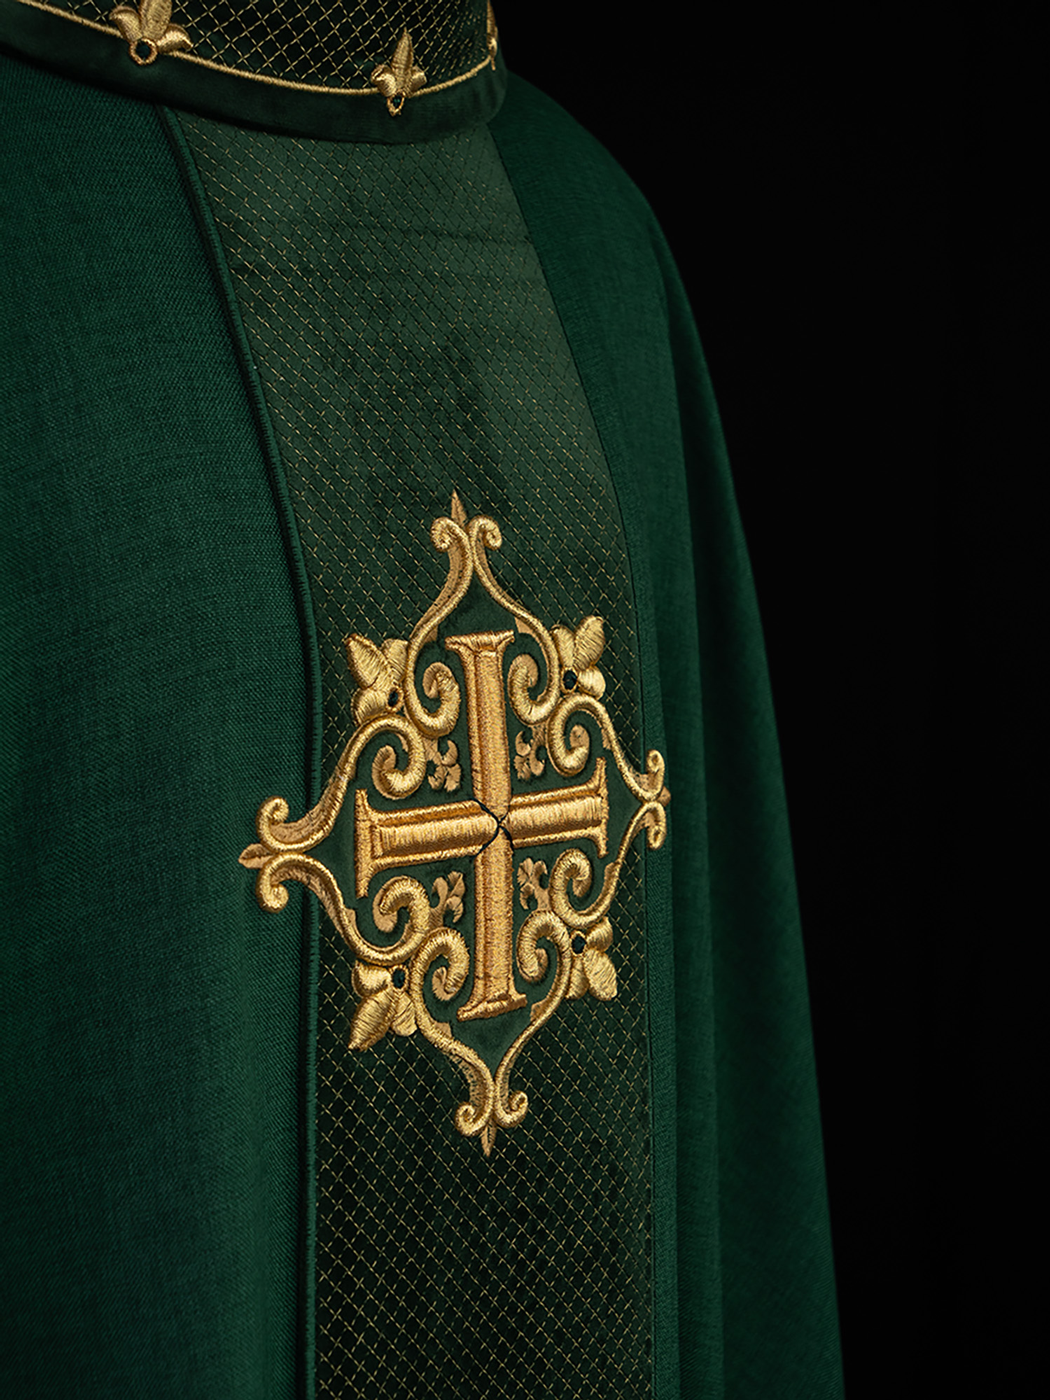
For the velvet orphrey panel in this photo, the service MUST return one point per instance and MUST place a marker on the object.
(408, 347)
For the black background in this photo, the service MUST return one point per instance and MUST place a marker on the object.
(850, 197)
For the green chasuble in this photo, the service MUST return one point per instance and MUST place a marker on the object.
(403, 989)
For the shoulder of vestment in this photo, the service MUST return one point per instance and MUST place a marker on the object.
(585, 192)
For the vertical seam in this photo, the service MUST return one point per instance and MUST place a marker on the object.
(204, 219)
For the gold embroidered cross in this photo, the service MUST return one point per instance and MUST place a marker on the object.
(488, 827)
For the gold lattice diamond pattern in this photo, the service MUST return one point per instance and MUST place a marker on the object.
(329, 45)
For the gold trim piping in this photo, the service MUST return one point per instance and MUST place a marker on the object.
(261, 77)
(77, 19)
(309, 87)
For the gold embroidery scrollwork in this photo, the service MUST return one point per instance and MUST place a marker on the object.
(385, 998)
(473, 1118)
(487, 826)
(569, 757)
(524, 674)
(449, 537)
(491, 1104)
(533, 962)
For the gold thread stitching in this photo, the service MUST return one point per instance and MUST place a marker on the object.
(147, 30)
(492, 36)
(527, 763)
(398, 79)
(486, 827)
(265, 77)
(447, 772)
(375, 1118)
(303, 87)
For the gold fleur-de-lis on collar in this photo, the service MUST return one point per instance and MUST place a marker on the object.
(492, 34)
(147, 30)
(401, 77)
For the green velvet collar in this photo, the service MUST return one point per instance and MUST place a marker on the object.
(348, 73)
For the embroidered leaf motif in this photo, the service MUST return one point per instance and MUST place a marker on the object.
(450, 894)
(366, 660)
(589, 642)
(127, 21)
(174, 38)
(528, 763)
(401, 77)
(404, 1022)
(447, 772)
(592, 968)
(396, 653)
(532, 879)
(601, 974)
(578, 653)
(373, 1018)
(148, 31)
(155, 15)
(384, 1006)
(379, 674)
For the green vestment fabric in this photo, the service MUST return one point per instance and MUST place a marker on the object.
(244, 368)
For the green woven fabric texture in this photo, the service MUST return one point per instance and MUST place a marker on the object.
(152, 686)
(409, 347)
(154, 675)
(740, 1212)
